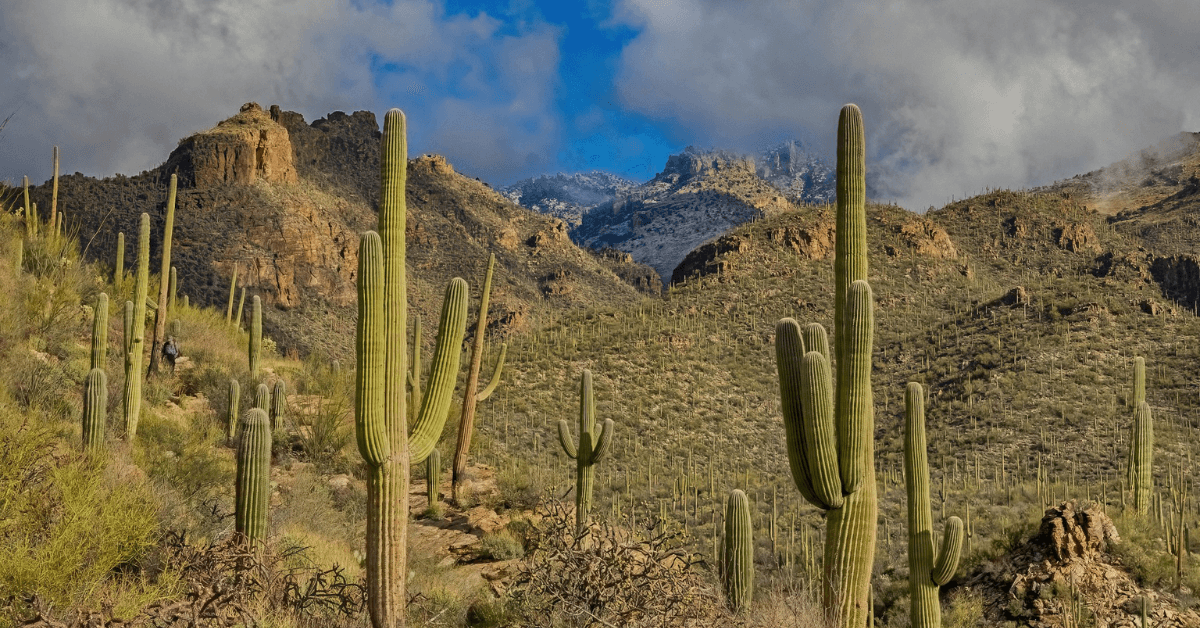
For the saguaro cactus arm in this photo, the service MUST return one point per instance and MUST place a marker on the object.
(568, 441)
(495, 381)
(603, 441)
(816, 394)
(427, 428)
(369, 430)
(947, 559)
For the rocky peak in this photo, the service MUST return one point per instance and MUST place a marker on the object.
(245, 148)
(693, 162)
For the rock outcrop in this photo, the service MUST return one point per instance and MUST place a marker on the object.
(243, 149)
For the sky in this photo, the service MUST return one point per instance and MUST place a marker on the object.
(956, 96)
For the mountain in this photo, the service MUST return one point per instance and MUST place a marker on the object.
(567, 196)
(284, 203)
(803, 176)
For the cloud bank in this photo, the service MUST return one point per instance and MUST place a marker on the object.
(956, 96)
(116, 83)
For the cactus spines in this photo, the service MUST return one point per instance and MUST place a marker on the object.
(262, 398)
(737, 564)
(135, 333)
(255, 350)
(827, 463)
(253, 488)
(100, 332)
(591, 448)
(472, 395)
(119, 269)
(232, 292)
(278, 402)
(925, 571)
(235, 400)
(95, 404)
(166, 275)
(433, 476)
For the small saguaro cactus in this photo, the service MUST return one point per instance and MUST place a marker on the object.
(433, 477)
(262, 399)
(95, 404)
(175, 328)
(830, 431)
(592, 447)
(232, 292)
(255, 335)
(278, 403)
(100, 332)
(737, 557)
(235, 401)
(119, 269)
(1141, 445)
(237, 323)
(925, 571)
(135, 333)
(473, 396)
(253, 489)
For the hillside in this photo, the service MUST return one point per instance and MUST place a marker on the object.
(567, 196)
(287, 214)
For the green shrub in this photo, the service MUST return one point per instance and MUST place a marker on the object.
(500, 545)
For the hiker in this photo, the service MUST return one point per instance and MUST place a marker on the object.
(170, 352)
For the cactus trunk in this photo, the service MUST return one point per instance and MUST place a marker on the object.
(232, 292)
(231, 417)
(278, 403)
(119, 269)
(591, 448)
(255, 347)
(253, 488)
(135, 333)
(737, 565)
(433, 477)
(164, 280)
(100, 332)
(95, 404)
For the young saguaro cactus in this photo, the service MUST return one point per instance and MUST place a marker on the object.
(737, 559)
(433, 477)
(135, 333)
(165, 276)
(380, 418)
(830, 431)
(235, 400)
(592, 447)
(253, 488)
(473, 396)
(100, 332)
(278, 402)
(95, 404)
(1141, 445)
(232, 292)
(262, 399)
(255, 350)
(925, 571)
(119, 269)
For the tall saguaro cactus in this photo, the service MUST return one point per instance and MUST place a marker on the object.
(830, 431)
(592, 447)
(384, 439)
(255, 349)
(473, 396)
(100, 332)
(135, 333)
(1141, 444)
(252, 493)
(95, 404)
(119, 269)
(925, 571)
(232, 291)
(164, 279)
(737, 558)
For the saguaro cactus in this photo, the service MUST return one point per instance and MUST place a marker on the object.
(119, 269)
(830, 432)
(925, 572)
(232, 291)
(100, 332)
(253, 488)
(278, 402)
(30, 221)
(737, 559)
(380, 420)
(433, 477)
(173, 288)
(135, 333)
(255, 335)
(592, 448)
(95, 404)
(471, 397)
(262, 398)
(237, 323)
(414, 372)
(54, 191)
(235, 401)
(1141, 444)
(165, 276)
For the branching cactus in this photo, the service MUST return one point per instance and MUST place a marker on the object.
(591, 448)
(278, 402)
(385, 439)
(830, 431)
(95, 404)
(100, 332)
(253, 488)
(235, 401)
(255, 335)
(473, 396)
(1141, 445)
(135, 333)
(737, 558)
(925, 571)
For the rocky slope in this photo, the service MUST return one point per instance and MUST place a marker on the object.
(284, 202)
(567, 196)
(804, 177)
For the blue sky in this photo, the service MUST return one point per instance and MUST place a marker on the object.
(956, 96)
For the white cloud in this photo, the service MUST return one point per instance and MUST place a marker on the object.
(115, 83)
(955, 96)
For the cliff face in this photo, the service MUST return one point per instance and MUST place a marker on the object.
(284, 202)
